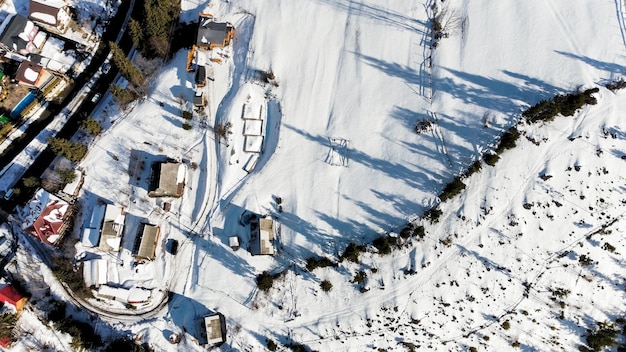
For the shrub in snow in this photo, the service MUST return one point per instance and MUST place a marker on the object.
(608, 247)
(352, 252)
(264, 281)
(491, 159)
(452, 189)
(566, 105)
(412, 230)
(585, 260)
(506, 325)
(603, 336)
(314, 263)
(186, 126)
(433, 215)
(271, 345)
(326, 285)
(359, 278)
(422, 126)
(383, 244)
(508, 139)
(187, 115)
(474, 168)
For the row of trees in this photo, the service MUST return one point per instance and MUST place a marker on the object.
(151, 33)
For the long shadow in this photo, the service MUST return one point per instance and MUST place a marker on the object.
(188, 314)
(272, 133)
(379, 14)
(600, 65)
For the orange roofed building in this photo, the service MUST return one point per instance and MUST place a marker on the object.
(10, 295)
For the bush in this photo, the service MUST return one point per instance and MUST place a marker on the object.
(314, 263)
(508, 139)
(412, 230)
(585, 260)
(92, 126)
(264, 281)
(352, 252)
(473, 349)
(433, 215)
(603, 336)
(7, 323)
(453, 188)
(491, 159)
(271, 345)
(66, 175)
(474, 168)
(72, 150)
(31, 182)
(608, 247)
(359, 278)
(565, 105)
(124, 345)
(186, 126)
(384, 243)
(326, 285)
(422, 126)
(187, 115)
(506, 325)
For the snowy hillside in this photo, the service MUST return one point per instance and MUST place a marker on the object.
(535, 241)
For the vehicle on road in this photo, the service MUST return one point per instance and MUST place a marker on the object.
(173, 246)
(95, 98)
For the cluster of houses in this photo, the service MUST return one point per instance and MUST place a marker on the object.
(22, 44)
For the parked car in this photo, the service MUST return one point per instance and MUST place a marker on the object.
(95, 98)
(106, 67)
(173, 246)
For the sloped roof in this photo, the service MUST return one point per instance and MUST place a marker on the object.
(146, 241)
(9, 294)
(211, 32)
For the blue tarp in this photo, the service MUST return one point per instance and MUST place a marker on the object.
(19, 108)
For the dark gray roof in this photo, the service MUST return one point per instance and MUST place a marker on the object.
(201, 75)
(211, 32)
(9, 36)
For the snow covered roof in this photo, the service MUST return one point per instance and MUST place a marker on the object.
(44, 216)
(253, 128)
(95, 272)
(168, 179)
(214, 331)
(28, 73)
(262, 236)
(212, 33)
(139, 295)
(253, 144)
(146, 241)
(46, 11)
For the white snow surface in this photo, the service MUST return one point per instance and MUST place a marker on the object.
(363, 72)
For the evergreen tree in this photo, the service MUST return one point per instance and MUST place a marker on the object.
(137, 35)
(126, 66)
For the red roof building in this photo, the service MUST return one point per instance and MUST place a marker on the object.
(10, 295)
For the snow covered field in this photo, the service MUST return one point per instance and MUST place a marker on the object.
(340, 148)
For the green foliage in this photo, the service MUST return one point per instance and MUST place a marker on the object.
(66, 175)
(474, 168)
(92, 126)
(559, 292)
(126, 345)
(72, 150)
(506, 325)
(566, 105)
(412, 230)
(360, 277)
(264, 281)
(608, 247)
(585, 260)
(433, 215)
(326, 285)
(271, 345)
(473, 349)
(603, 336)
(64, 271)
(137, 35)
(314, 263)
(352, 252)
(515, 344)
(83, 335)
(122, 96)
(187, 115)
(508, 139)
(384, 243)
(186, 126)
(31, 182)
(452, 189)
(7, 323)
(491, 159)
(126, 67)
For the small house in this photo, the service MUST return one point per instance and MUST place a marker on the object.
(31, 75)
(167, 180)
(46, 217)
(201, 76)
(146, 242)
(262, 236)
(215, 328)
(213, 34)
(19, 35)
(199, 100)
(54, 14)
(10, 295)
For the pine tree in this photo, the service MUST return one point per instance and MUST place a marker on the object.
(127, 68)
(137, 35)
